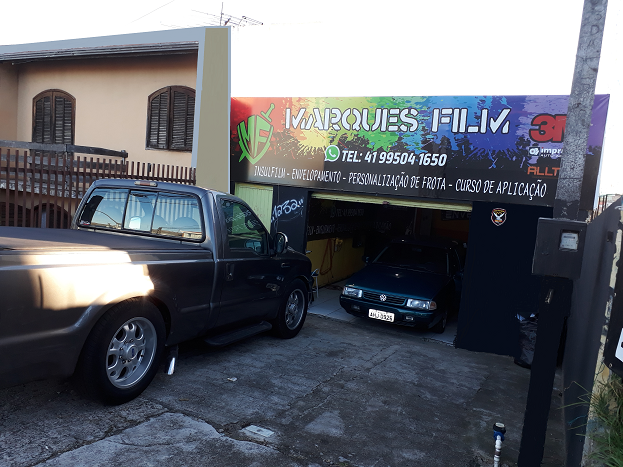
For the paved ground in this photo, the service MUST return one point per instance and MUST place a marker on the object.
(343, 393)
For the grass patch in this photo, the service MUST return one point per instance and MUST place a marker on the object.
(607, 408)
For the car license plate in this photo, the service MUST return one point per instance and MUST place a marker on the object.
(382, 315)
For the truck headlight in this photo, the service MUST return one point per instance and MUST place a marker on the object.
(421, 304)
(352, 292)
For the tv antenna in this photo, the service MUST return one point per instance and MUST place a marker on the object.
(225, 19)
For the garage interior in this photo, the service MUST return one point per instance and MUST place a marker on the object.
(338, 229)
(343, 229)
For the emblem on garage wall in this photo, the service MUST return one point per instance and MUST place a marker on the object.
(498, 216)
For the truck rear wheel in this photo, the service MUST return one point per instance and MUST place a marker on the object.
(292, 311)
(123, 352)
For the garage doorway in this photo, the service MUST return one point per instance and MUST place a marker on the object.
(343, 230)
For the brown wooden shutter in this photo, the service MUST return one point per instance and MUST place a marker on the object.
(62, 120)
(53, 117)
(158, 120)
(182, 120)
(171, 116)
(42, 131)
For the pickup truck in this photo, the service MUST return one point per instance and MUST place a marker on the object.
(144, 267)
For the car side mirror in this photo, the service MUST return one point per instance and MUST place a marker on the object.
(281, 242)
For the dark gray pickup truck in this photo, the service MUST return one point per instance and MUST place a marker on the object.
(145, 266)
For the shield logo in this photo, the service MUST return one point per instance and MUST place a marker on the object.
(498, 216)
(255, 139)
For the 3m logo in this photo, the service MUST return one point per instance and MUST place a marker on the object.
(255, 140)
(551, 128)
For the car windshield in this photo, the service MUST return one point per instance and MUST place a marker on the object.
(425, 258)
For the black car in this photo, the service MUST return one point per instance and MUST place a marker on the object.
(411, 282)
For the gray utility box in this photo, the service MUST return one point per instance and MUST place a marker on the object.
(559, 248)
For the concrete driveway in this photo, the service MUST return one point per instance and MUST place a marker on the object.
(342, 393)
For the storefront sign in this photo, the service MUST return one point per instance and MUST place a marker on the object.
(501, 149)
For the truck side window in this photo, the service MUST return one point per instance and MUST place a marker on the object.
(244, 230)
(104, 209)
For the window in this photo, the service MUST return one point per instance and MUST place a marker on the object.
(53, 121)
(170, 118)
(244, 230)
(415, 256)
(165, 214)
(177, 215)
(104, 209)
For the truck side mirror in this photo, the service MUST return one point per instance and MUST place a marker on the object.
(281, 242)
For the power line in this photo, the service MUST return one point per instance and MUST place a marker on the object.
(153, 11)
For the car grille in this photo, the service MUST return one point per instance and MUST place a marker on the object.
(390, 299)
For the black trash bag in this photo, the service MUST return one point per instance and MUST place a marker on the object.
(527, 340)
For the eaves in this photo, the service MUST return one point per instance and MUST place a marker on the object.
(167, 48)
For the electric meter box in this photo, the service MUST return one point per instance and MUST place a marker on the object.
(559, 248)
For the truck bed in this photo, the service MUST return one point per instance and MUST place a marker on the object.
(24, 238)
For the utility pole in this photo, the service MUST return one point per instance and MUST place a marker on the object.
(555, 299)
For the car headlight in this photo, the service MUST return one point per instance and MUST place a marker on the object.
(421, 304)
(352, 292)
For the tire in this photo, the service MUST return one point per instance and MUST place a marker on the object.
(440, 327)
(122, 353)
(292, 312)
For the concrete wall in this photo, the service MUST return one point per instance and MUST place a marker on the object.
(111, 99)
(211, 143)
(8, 102)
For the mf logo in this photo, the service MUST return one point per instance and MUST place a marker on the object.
(255, 135)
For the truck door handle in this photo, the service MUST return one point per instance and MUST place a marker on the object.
(285, 265)
(229, 271)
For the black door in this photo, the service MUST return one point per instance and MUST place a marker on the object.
(253, 279)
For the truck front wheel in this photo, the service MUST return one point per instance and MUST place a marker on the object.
(123, 351)
(292, 311)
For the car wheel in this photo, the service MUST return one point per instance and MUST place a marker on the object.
(292, 311)
(440, 327)
(122, 353)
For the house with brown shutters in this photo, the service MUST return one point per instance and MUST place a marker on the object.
(163, 97)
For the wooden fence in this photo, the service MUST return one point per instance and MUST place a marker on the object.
(43, 189)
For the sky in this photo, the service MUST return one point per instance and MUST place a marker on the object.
(390, 48)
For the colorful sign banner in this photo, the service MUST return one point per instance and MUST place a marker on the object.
(486, 148)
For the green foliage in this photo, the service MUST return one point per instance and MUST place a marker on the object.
(607, 405)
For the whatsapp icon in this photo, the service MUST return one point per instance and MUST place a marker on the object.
(332, 153)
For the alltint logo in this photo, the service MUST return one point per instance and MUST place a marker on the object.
(255, 135)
